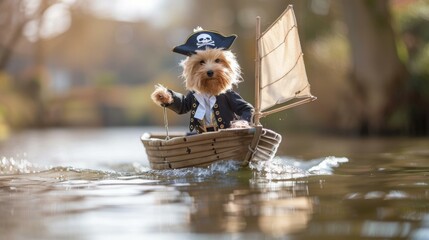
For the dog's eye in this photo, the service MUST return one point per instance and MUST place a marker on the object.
(217, 60)
(202, 62)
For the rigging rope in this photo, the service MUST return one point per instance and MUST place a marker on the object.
(166, 124)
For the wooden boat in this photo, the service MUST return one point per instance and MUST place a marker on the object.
(280, 83)
(200, 150)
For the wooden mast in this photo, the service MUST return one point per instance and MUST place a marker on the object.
(257, 114)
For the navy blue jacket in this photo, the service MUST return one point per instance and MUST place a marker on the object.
(229, 106)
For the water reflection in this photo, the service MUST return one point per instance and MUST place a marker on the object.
(275, 212)
(377, 229)
(286, 206)
(54, 204)
(369, 195)
(285, 216)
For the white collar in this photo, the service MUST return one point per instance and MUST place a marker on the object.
(206, 103)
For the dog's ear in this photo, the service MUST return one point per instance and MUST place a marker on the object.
(232, 63)
(188, 72)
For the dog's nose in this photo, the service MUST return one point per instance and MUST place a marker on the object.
(210, 73)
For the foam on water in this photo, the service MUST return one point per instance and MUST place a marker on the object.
(215, 169)
(287, 168)
(16, 166)
(276, 169)
(325, 166)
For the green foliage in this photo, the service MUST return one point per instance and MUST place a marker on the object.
(412, 21)
(421, 61)
(16, 109)
(105, 79)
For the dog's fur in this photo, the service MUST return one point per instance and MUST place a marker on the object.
(211, 71)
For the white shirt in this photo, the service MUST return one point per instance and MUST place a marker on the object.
(204, 110)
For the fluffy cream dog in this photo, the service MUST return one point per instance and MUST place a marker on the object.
(210, 71)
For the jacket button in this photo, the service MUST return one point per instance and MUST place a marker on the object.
(219, 119)
(191, 127)
(215, 106)
(193, 112)
(192, 120)
(222, 126)
(217, 112)
(194, 105)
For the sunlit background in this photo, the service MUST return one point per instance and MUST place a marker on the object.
(75, 84)
(93, 63)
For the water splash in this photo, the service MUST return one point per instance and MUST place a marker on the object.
(17, 166)
(216, 169)
(288, 168)
(326, 165)
(278, 168)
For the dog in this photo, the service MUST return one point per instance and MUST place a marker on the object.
(210, 71)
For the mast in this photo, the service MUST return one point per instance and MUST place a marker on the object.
(257, 114)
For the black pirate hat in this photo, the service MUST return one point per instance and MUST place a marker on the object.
(201, 40)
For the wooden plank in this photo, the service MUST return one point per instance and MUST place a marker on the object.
(198, 137)
(182, 145)
(203, 154)
(199, 161)
(196, 149)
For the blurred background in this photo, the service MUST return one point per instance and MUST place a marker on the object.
(94, 63)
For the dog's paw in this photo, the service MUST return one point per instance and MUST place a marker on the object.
(161, 95)
(240, 124)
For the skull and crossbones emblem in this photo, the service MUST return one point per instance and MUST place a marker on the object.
(204, 39)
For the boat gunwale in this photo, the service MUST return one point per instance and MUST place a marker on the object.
(223, 133)
(152, 145)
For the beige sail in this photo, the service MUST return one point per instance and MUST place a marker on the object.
(282, 71)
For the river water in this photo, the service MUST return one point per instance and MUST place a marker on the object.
(96, 184)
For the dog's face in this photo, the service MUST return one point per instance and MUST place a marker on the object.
(211, 71)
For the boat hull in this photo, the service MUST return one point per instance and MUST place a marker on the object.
(180, 151)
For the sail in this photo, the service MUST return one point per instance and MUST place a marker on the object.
(282, 70)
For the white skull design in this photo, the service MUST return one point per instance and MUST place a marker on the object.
(204, 40)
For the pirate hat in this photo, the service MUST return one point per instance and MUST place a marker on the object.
(201, 40)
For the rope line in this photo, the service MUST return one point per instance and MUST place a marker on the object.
(166, 124)
(284, 41)
(296, 63)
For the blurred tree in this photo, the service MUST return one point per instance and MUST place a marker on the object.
(378, 76)
(12, 26)
(57, 79)
(15, 16)
(413, 20)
